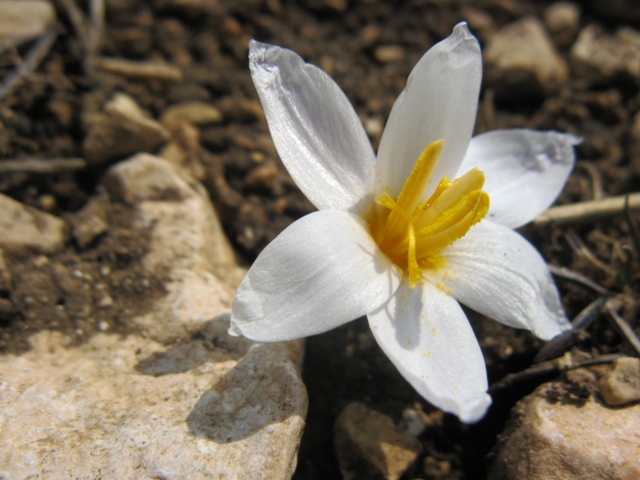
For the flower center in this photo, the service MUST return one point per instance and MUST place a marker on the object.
(411, 232)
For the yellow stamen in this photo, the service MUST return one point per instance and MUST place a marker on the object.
(412, 233)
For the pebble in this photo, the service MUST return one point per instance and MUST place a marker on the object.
(562, 16)
(194, 113)
(521, 59)
(568, 439)
(602, 58)
(122, 130)
(28, 230)
(5, 273)
(621, 385)
(369, 445)
(90, 222)
(25, 20)
(389, 53)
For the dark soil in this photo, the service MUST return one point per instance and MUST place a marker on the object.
(85, 287)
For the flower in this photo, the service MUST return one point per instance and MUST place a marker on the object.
(406, 236)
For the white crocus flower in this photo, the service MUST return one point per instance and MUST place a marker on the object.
(394, 239)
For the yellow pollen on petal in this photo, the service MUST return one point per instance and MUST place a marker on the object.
(412, 232)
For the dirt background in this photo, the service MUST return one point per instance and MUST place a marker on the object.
(50, 114)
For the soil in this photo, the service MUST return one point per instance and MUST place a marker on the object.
(101, 282)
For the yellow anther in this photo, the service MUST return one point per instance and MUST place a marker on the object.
(412, 232)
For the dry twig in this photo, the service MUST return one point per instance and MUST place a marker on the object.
(547, 369)
(141, 70)
(626, 331)
(590, 211)
(37, 53)
(576, 277)
(39, 165)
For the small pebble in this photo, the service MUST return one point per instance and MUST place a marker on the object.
(621, 385)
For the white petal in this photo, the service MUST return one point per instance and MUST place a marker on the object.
(428, 338)
(322, 271)
(317, 133)
(525, 171)
(498, 273)
(438, 103)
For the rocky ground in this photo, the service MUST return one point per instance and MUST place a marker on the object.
(112, 268)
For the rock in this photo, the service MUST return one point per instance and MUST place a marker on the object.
(28, 230)
(25, 20)
(187, 243)
(369, 445)
(601, 58)
(210, 407)
(5, 273)
(546, 438)
(389, 53)
(562, 19)
(194, 113)
(90, 222)
(184, 150)
(122, 130)
(562, 16)
(521, 60)
(178, 397)
(621, 385)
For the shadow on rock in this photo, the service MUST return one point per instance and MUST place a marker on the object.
(209, 344)
(263, 389)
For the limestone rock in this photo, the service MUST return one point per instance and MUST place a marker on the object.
(621, 385)
(521, 59)
(187, 243)
(210, 407)
(28, 230)
(25, 19)
(180, 399)
(548, 439)
(369, 445)
(601, 58)
(122, 130)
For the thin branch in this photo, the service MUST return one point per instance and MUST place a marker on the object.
(77, 19)
(564, 272)
(546, 369)
(37, 53)
(141, 70)
(563, 342)
(95, 33)
(589, 211)
(626, 331)
(39, 165)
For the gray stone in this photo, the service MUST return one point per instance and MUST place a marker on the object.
(180, 399)
(568, 440)
(25, 20)
(210, 407)
(599, 57)
(369, 445)
(621, 385)
(521, 59)
(29, 230)
(122, 130)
